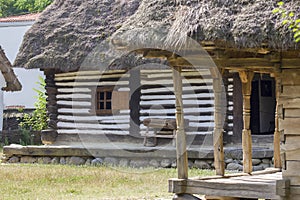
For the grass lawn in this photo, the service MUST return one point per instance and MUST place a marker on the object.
(85, 182)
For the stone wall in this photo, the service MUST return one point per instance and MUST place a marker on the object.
(231, 164)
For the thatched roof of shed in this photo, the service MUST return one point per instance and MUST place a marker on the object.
(68, 30)
(237, 23)
(12, 82)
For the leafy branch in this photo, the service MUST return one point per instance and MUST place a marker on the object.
(288, 18)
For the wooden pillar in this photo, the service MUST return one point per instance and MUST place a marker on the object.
(246, 78)
(237, 109)
(219, 117)
(49, 135)
(277, 158)
(134, 102)
(181, 151)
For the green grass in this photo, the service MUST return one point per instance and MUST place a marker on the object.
(86, 182)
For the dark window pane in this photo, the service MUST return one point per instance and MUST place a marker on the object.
(108, 95)
(101, 95)
(108, 105)
(101, 105)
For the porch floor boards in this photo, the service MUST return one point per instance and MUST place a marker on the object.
(258, 185)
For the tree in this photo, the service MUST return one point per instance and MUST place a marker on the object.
(17, 7)
(288, 18)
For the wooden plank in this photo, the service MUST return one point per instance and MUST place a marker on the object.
(292, 148)
(234, 188)
(290, 77)
(120, 100)
(290, 92)
(291, 126)
(91, 77)
(292, 113)
(292, 172)
(290, 103)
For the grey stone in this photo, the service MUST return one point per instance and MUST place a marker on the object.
(174, 164)
(256, 161)
(266, 161)
(28, 159)
(257, 168)
(68, 160)
(76, 161)
(111, 161)
(154, 163)
(264, 165)
(55, 161)
(97, 161)
(88, 161)
(234, 166)
(124, 162)
(202, 164)
(62, 161)
(229, 160)
(165, 163)
(14, 159)
(44, 160)
(190, 163)
(139, 163)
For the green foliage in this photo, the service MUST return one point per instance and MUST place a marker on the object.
(38, 119)
(16, 7)
(289, 19)
(26, 138)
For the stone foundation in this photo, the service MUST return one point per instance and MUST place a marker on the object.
(201, 159)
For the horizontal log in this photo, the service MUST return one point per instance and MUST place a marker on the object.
(292, 172)
(291, 126)
(289, 103)
(73, 90)
(290, 77)
(74, 96)
(85, 84)
(92, 77)
(78, 73)
(96, 132)
(290, 92)
(292, 113)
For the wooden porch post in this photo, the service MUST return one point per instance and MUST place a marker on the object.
(181, 151)
(246, 78)
(218, 129)
(277, 158)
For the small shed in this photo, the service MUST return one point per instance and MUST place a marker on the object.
(243, 38)
(8, 81)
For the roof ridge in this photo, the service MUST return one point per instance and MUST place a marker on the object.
(21, 18)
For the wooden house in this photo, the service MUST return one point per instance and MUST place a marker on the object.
(8, 80)
(244, 38)
(77, 109)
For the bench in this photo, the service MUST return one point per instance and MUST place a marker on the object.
(162, 128)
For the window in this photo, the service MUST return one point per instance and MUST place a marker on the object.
(104, 101)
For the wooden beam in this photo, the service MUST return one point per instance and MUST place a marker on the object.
(246, 78)
(218, 129)
(134, 102)
(277, 159)
(181, 151)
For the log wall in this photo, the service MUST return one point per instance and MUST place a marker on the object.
(76, 110)
(75, 99)
(289, 114)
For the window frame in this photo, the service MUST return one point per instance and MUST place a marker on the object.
(105, 100)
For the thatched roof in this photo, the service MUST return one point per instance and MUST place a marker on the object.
(68, 30)
(12, 83)
(237, 23)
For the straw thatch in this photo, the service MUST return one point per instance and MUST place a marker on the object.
(237, 23)
(68, 30)
(12, 82)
